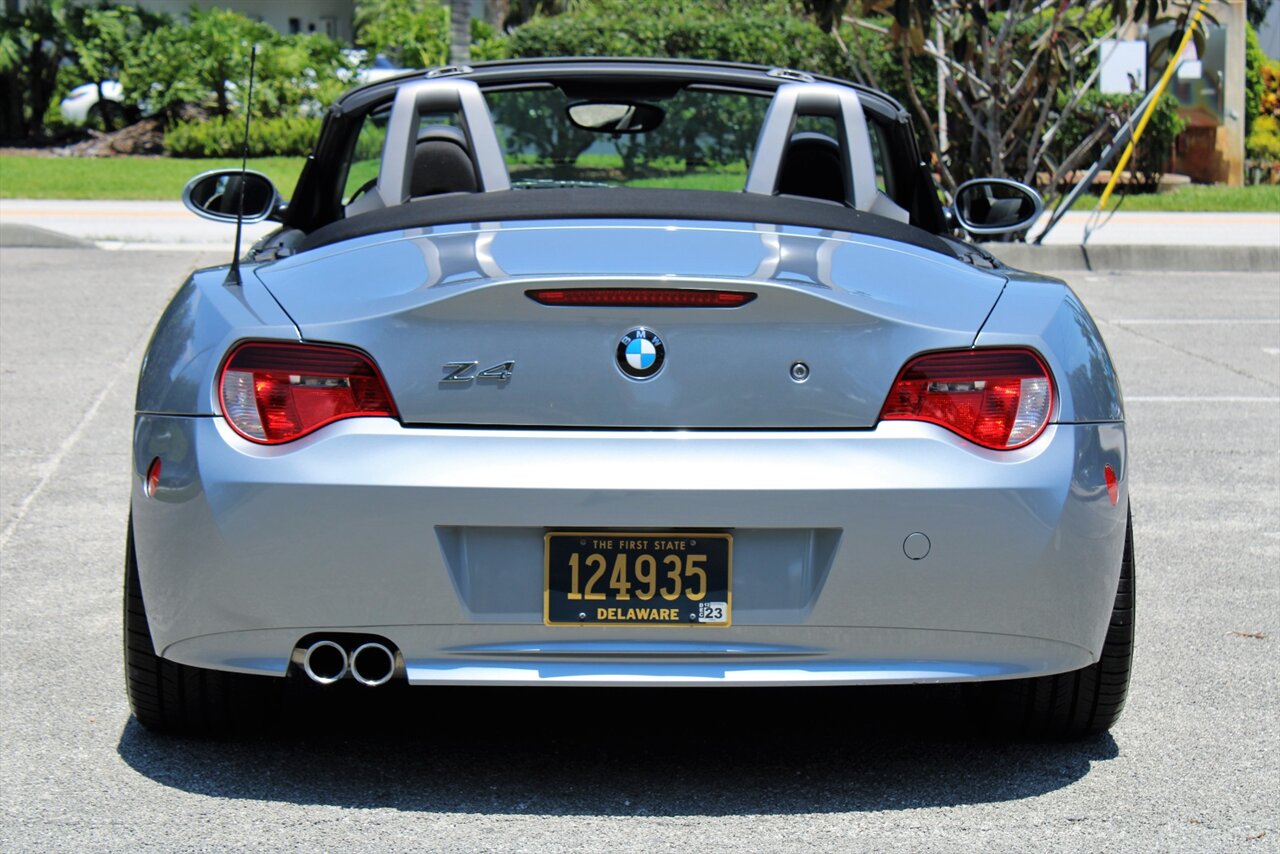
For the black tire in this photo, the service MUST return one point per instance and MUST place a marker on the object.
(176, 698)
(1082, 702)
(107, 115)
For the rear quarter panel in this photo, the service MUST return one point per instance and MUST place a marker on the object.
(1045, 314)
(197, 329)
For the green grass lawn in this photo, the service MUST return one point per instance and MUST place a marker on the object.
(23, 177)
(728, 182)
(153, 178)
(1196, 197)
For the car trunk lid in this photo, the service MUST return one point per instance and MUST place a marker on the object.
(439, 307)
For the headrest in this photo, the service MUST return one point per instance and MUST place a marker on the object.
(812, 168)
(442, 163)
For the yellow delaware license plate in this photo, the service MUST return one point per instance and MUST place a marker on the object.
(638, 579)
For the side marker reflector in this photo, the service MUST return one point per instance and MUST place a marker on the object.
(1113, 485)
(153, 479)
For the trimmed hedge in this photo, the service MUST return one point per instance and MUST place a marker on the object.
(224, 137)
(1263, 140)
(1157, 140)
(411, 33)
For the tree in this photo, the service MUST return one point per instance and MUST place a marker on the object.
(1257, 10)
(221, 41)
(203, 60)
(459, 32)
(411, 33)
(1012, 77)
(206, 62)
(31, 47)
(764, 32)
(513, 13)
(102, 38)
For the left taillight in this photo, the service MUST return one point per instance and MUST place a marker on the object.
(999, 399)
(278, 392)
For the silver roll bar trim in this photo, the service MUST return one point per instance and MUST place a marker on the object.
(442, 95)
(816, 99)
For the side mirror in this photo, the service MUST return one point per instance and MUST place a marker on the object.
(996, 206)
(217, 196)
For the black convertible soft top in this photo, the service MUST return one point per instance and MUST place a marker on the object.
(622, 203)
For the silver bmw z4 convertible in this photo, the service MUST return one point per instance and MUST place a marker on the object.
(625, 373)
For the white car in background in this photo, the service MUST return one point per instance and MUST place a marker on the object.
(380, 69)
(84, 103)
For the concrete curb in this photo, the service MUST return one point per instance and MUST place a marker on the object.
(16, 234)
(1172, 258)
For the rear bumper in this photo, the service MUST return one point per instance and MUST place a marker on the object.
(434, 655)
(433, 540)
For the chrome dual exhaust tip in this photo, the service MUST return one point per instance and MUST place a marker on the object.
(373, 664)
(325, 662)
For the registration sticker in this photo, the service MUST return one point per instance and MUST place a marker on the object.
(713, 612)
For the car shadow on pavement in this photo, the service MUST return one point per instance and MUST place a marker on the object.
(619, 752)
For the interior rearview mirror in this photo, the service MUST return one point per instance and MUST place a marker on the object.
(220, 194)
(996, 206)
(622, 117)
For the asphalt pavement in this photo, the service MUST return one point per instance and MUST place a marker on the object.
(1192, 766)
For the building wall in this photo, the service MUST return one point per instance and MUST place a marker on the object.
(331, 17)
(1269, 31)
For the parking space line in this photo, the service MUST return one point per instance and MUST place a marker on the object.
(1196, 321)
(51, 465)
(1172, 398)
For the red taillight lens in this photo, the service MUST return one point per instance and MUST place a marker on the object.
(999, 399)
(642, 297)
(273, 393)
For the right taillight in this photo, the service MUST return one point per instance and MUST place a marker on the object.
(275, 392)
(999, 399)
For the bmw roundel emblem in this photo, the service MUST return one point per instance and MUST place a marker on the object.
(641, 353)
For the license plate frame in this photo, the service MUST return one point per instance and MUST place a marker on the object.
(704, 559)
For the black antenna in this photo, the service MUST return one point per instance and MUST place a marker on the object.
(233, 275)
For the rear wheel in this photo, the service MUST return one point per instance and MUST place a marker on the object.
(1083, 702)
(176, 698)
(107, 115)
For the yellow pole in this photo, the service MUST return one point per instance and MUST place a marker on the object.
(1151, 108)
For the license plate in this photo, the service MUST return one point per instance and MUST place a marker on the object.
(638, 579)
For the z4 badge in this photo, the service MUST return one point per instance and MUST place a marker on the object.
(461, 372)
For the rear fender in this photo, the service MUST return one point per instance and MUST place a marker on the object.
(197, 329)
(1047, 315)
